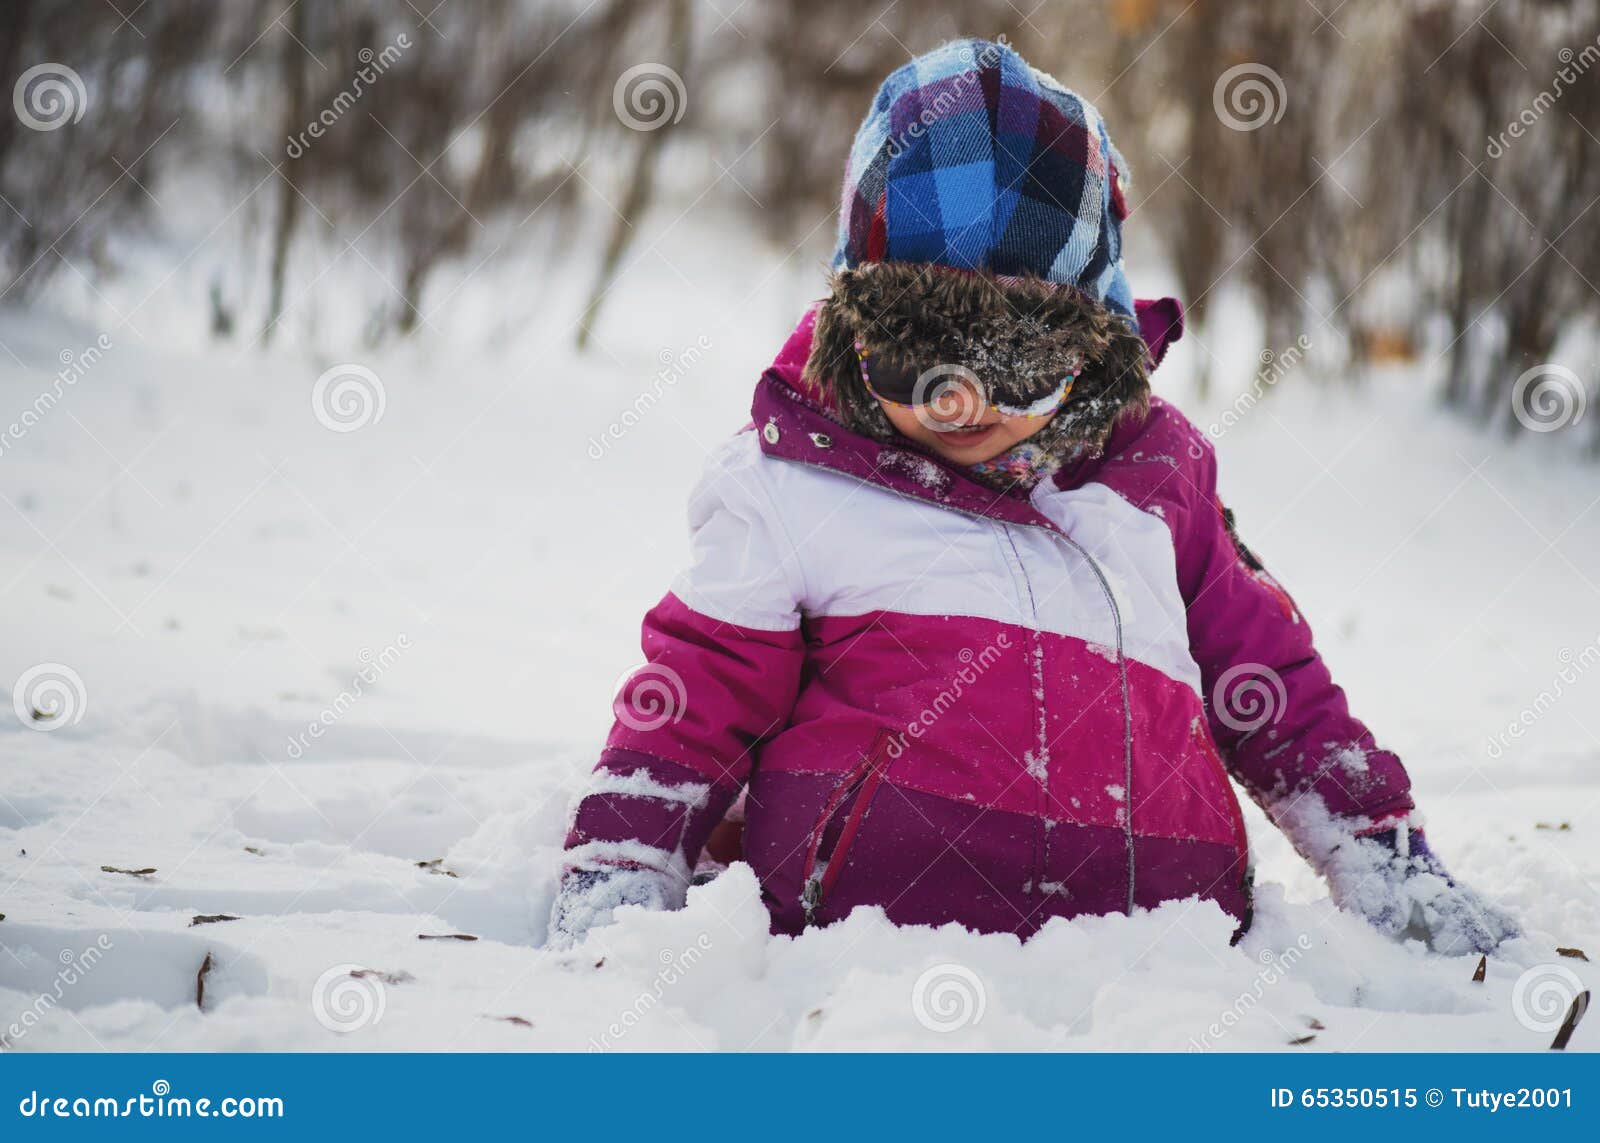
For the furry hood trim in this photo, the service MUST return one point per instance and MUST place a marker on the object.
(1021, 334)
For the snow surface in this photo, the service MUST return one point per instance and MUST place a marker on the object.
(343, 686)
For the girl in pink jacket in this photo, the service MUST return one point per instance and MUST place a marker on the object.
(966, 622)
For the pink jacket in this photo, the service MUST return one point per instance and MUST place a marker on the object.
(959, 705)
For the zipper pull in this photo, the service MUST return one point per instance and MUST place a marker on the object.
(811, 897)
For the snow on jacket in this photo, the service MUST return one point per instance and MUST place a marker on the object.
(959, 705)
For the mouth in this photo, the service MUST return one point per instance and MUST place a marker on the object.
(967, 436)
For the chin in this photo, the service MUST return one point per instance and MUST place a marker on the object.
(969, 455)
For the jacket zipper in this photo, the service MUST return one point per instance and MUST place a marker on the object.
(1127, 700)
(1241, 839)
(867, 776)
(1116, 618)
(1105, 589)
(1038, 755)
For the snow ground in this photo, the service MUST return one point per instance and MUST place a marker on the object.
(217, 566)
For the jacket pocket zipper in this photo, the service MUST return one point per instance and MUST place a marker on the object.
(822, 874)
(1241, 840)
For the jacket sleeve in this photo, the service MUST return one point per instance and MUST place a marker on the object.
(1283, 726)
(723, 652)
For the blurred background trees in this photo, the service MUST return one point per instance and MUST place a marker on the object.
(68, 179)
(1397, 179)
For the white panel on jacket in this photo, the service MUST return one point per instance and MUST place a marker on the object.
(742, 569)
(1134, 548)
(775, 538)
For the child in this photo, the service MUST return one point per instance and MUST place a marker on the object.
(965, 618)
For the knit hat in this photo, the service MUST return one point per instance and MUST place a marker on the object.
(982, 222)
(971, 158)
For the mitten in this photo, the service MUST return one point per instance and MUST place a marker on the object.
(1394, 880)
(589, 897)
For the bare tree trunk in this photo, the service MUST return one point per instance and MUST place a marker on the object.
(293, 74)
(641, 183)
(1201, 232)
(1457, 386)
(411, 294)
(14, 20)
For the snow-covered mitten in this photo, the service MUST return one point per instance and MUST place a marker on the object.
(1398, 884)
(589, 897)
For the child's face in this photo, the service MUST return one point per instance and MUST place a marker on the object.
(961, 427)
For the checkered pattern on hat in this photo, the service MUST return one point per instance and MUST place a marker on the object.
(973, 159)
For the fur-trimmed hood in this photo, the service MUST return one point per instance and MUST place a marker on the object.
(1020, 334)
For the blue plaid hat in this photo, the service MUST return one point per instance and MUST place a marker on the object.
(971, 158)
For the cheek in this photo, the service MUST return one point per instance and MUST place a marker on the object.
(1024, 427)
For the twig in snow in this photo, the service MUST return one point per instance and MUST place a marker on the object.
(1575, 954)
(400, 977)
(517, 1020)
(211, 919)
(1480, 973)
(436, 865)
(1580, 1005)
(200, 982)
(446, 937)
(129, 872)
(255, 849)
(1306, 1039)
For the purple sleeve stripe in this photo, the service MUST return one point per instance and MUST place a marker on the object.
(635, 797)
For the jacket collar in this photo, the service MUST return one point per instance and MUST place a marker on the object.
(793, 424)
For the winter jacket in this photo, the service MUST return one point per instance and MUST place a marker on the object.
(959, 705)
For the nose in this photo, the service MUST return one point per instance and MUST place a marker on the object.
(958, 401)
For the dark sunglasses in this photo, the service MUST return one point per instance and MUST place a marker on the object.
(910, 387)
